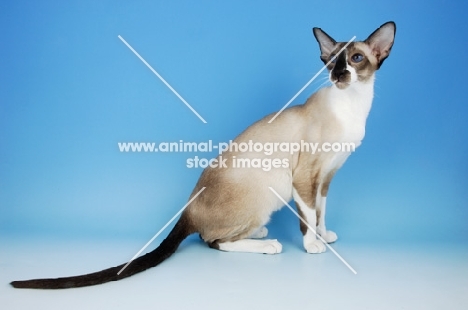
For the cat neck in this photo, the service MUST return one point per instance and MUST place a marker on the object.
(357, 97)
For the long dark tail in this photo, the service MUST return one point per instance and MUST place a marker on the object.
(181, 230)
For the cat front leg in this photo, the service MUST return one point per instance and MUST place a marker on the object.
(327, 235)
(308, 213)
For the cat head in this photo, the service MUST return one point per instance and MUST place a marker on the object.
(359, 60)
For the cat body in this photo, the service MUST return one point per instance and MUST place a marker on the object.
(231, 212)
(329, 116)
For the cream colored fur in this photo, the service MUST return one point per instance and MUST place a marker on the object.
(237, 202)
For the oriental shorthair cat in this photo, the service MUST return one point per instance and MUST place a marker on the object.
(230, 214)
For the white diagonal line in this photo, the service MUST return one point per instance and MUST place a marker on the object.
(162, 79)
(161, 230)
(313, 230)
(311, 80)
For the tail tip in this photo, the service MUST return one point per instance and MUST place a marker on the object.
(15, 284)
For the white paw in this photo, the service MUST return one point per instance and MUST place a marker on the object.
(261, 233)
(329, 236)
(272, 247)
(315, 246)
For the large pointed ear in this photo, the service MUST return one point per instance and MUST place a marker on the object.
(381, 41)
(327, 44)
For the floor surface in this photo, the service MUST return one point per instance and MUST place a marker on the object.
(196, 277)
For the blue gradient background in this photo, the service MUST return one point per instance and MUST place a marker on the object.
(70, 90)
(71, 203)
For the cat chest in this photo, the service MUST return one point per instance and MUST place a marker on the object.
(352, 129)
(350, 122)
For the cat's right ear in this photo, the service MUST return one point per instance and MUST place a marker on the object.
(327, 44)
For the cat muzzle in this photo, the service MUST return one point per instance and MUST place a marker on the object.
(339, 75)
(341, 78)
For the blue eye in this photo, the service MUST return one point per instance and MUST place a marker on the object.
(357, 58)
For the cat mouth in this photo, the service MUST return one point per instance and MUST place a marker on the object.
(341, 84)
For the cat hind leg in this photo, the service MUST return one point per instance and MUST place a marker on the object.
(260, 233)
(271, 246)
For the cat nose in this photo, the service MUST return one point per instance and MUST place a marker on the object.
(340, 67)
(338, 73)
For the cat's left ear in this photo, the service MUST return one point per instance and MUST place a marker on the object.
(381, 41)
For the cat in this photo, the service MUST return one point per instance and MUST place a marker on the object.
(231, 212)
